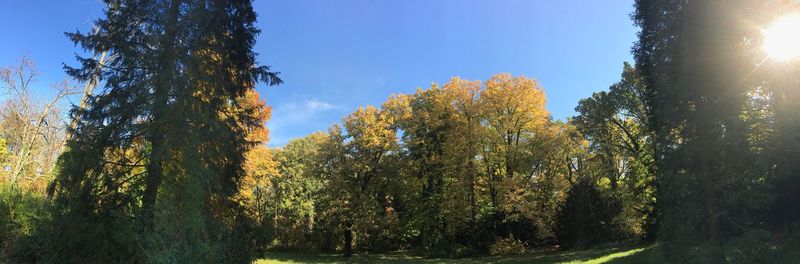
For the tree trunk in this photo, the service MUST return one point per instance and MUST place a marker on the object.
(155, 168)
(348, 238)
(472, 201)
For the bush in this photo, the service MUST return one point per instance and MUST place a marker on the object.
(21, 214)
(507, 246)
(587, 217)
(752, 247)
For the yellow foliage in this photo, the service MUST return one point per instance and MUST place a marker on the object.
(513, 104)
(370, 128)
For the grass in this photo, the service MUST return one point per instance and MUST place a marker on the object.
(622, 255)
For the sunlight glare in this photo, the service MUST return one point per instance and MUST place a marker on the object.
(782, 38)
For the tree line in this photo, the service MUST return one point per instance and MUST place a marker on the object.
(462, 169)
(695, 147)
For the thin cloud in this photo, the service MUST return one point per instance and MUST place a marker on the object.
(303, 110)
(288, 117)
(315, 105)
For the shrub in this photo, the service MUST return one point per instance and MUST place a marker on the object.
(21, 214)
(587, 217)
(507, 246)
(752, 247)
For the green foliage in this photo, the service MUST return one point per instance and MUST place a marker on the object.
(587, 216)
(292, 194)
(132, 180)
(22, 215)
(752, 247)
(76, 238)
(722, 147)
(622, 143)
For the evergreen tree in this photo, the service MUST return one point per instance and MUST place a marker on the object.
(697, 59)
(587, 216)
(165, 138)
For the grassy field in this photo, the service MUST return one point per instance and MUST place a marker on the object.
(628, 254)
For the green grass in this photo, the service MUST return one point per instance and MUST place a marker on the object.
(622, 255)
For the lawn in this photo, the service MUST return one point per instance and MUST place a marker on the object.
(626, 254)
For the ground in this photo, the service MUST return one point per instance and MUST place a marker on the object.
(626, 254)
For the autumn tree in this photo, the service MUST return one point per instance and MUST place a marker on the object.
(33, 129)
(355, 164)
(513, 108)
(254, 193)
(425, 132)
(3, 152)
(259, 166)
(449, 170)
(465, 179)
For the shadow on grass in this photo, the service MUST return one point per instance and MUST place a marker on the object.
(650, 254)
(619, 254)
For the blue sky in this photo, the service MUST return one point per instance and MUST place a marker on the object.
(337, 55)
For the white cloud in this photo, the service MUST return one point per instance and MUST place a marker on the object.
(314, 105)
(301, 111)
(291, 119)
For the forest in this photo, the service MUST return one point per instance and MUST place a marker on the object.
(693, 153)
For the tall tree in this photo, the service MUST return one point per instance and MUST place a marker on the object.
(296, 189)
(356, 168)
(462, 147)
(424, 136)
(616, 124)
(513, 108)
(174, 66)
(697, 58)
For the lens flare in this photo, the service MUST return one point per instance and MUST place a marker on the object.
(782, 38)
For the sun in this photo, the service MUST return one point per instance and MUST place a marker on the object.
(782, 38)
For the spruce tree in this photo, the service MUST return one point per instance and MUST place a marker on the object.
(158, 151)
(699, 58)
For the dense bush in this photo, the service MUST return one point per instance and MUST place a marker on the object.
(753, 247)
(21, 216)
(507, 246)
(587, 216)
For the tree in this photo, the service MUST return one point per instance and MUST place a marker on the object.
(464, 174)
(354, 164)
(254, 194)
(697, 59)
(3, 153)
(616, 124)
(513, 108)
(296, 189)
(34, 130)
(442, 187)
(555, 158)
(259, 166)
(587, 216)
(173, 66)
(425, 133)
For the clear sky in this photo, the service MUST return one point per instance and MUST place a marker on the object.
(337, 55)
